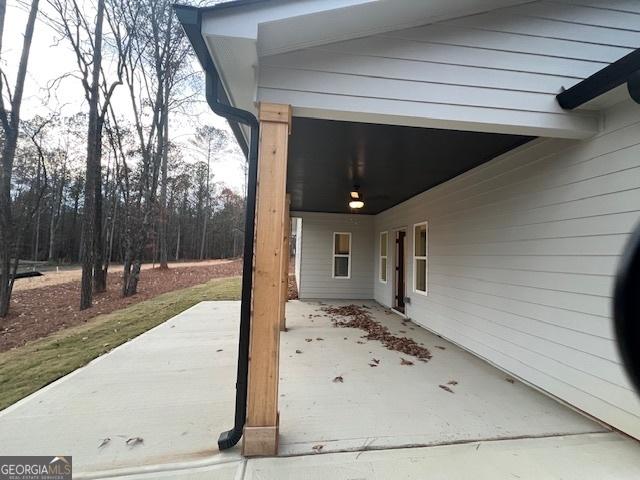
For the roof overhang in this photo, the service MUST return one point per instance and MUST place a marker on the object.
(238, 33)
(191, 20)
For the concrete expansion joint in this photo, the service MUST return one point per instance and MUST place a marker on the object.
(146, 470)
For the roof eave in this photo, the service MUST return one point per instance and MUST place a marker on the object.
(191, 20)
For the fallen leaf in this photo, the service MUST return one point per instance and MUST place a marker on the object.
(320, 339)
(452, 382)
(104, 442)
(405, 362)
(444, 387)
(219, 350)
(338, 380)
(373, 365)
(376, 361)
(441, 348)
(308, 339)
(357, 317)
(510, 380)
(360, 343)
(317, 448)
(133, 441)
(298, 351)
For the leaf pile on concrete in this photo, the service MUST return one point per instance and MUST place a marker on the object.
(360, 318)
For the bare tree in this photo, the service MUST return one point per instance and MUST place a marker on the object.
(10, 120)
(209, 141)
(152, 75)
(71, 21)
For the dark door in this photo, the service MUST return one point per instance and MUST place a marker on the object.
(400, 287)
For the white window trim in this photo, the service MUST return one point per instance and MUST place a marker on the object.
(340, 255)
(419, 257)
(380, 257)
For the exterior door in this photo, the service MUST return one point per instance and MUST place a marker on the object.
(400, 271)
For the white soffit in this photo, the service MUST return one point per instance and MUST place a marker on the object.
(238, 35)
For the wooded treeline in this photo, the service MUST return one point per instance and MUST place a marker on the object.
(205, 219)
(101, 187)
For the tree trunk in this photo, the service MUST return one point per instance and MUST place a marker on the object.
(178, 242)
(5, 276)
(71, 253)
(56, 211)
(36, 245)
(12, 124)
(204, 236)
(89, 240)
(206, 205)
(99, 268)
(52, 233)
(164, 248)
(112, 229)
(134, 277)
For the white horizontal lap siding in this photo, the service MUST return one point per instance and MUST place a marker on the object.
(522, 256)
(316, 274)
(498, 71)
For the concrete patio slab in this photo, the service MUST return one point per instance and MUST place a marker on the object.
(578, 457)
(394, 405)
(174, 387)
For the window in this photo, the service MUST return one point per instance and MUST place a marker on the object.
(420, 258)
(383, 256)
(341, 255)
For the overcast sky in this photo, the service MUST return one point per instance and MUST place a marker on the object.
(50, 59)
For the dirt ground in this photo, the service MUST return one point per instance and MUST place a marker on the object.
(69, 274)
(52, 305)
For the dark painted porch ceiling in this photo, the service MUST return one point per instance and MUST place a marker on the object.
(390, 163)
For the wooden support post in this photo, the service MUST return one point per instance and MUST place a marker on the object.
(285, 265)
(261, 430)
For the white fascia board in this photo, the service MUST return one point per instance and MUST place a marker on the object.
(577, 125)
(243, 21)
(279, 26)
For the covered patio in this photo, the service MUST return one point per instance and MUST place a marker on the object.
(172, 388)
(437, 174)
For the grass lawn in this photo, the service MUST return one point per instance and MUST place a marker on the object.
(26, 369)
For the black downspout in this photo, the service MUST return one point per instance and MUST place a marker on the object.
(231, 437)
(191, 20)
